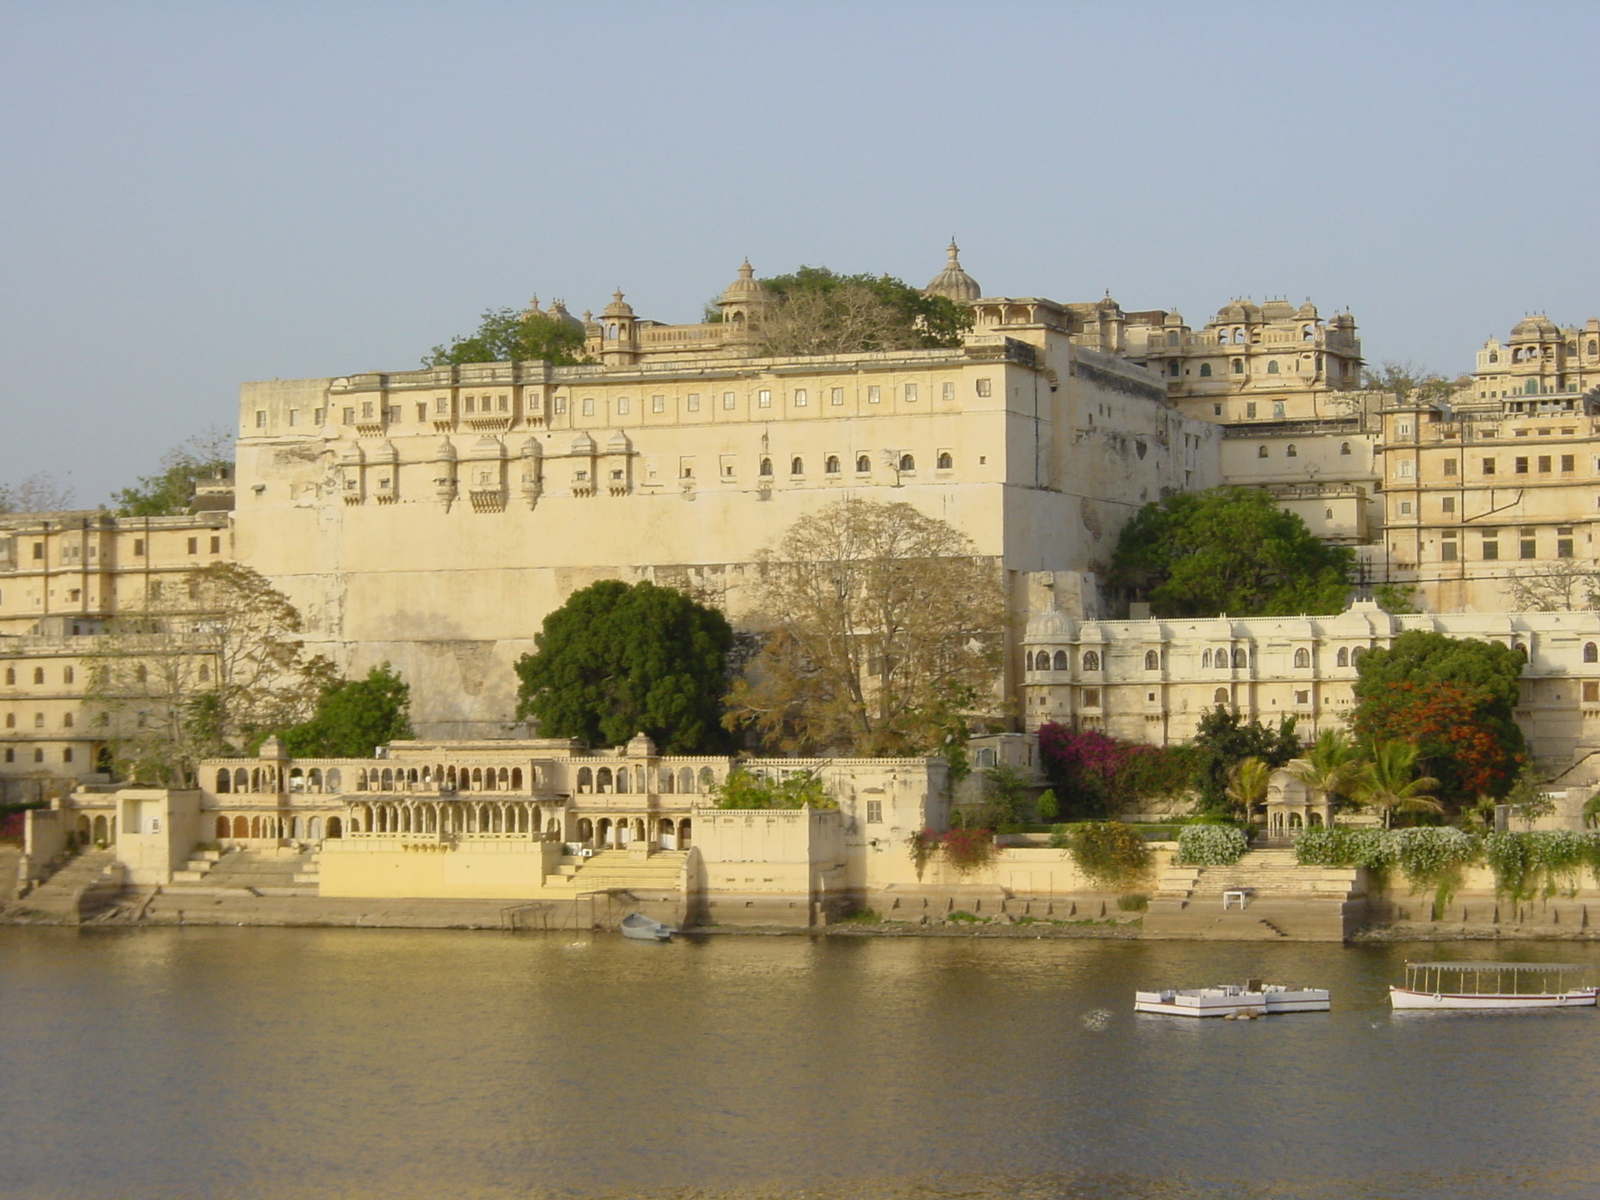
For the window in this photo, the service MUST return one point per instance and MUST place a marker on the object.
(66, 720)
(349, 415)
(1152, 660)
(831, 465)
(194, 545)
(1291, 452)
(216, 545)
(800, 398)
(11, 720)
(836, 396)
(1448, 504)
(261, 419)
(1569, 464)
(1216, 410)
(1544, 464)
(1447, 547)
(1220, 696)
(138, 546)
(1591, 693)
(691, 402)
(797, 466)
(874, 812)
(947, 391)
(1405, 508)
(294, 417)
(38, 674)
(729, 400)
(68, 675)
(1403, 469)
(1528, 544)
(658, 404)
(1488, 466)
(588, 406)
(1173, 368)
(763, 399)
(1564, 541)
(983, 387)
(1091, 697)
(1277, 408)
(908, 463)
(863, 464)
(766, 466)
(1520, 466)
(1091, 660)
(1250, 408)
(622, 406)
(1302, 657)
(945, 462)
(1403, 429)
(38, 720)
(911, 393)
(1449, 466)
(1491, 545)
(11, 675)
(560, 405)
(38, 551)
(874, 394)
(66, 757)
(1261, 451)
(396, 414)
(1342, 659)
(1344, 447)
(1238, 366)
(686, 466)
(1205, 370)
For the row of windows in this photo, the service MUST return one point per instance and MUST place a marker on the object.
(1221, 658)
(38, 720)
(68, 675)
(38, 754)
(1527, 545)
(71, 551)
(832, 465)
(1293, 451)
(1522, 464)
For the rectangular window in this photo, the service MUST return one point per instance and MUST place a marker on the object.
(1405, 508)
(1447, 549)
(763, 399)
(1277, 408)
(38, 550)
(874, 394)
(194, 545)
(1449, 466)
(1091, 697)
(1403, 429)
(622, 406)
(422, 412)
(1488, 466)
(561, 405)
(686, 467)
(1303, 697)
(800, 398)
(728, 400)
(138, 546)
(396, 414)
(983, 387)
(349, 415)
(1491, 547)
(1591, 693)
(1564, 541)
(366, 410)
(1250, 408)
(947, 391)
(1403, 468)
(319, 416)
(1544, 464)
(874, 812)
(692, 402)
(1528, 544)
(728, 465)
(588, 406)
(1569, 463)
(1448, 504)
(836, 396)
(441, 404)
(261, 418)
(658, 404)
(911, 393)
(294, 417)
(216, 545)
(503, 403)
(1520, 466)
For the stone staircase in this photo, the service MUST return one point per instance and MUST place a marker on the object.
(82, 887)
(1285, 901)
(277, 871)
(620, 869)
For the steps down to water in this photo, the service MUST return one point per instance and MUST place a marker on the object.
(1284, 901)
(277, 871)
(83, 886)
(618, 869)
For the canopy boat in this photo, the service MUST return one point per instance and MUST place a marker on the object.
(645, 929)
(1254, 999)
(1491, 985)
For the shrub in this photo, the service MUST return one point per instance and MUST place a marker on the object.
(1133, 902)
(1110, 853)
(744, 790)
(1211, 845)
(1369, 848)
(1525, 863)
(968, 849)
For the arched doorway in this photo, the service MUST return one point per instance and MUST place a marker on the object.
(667, 832)
(603, 831)
(683, 834)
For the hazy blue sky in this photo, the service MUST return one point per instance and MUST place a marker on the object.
(200, 194)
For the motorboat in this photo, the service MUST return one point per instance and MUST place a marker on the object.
(1493, 985)
(1251, 999)
(645, 929)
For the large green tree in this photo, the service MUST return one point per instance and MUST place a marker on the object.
(616, 660)
(205, 456)
(1223, 741)
(353, 716)
(507, 335)
(817, 311)
(1454, 699)
(1229, 550)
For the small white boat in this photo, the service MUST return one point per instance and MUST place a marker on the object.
(1253, 999)
(1493, 985)
(645, 929)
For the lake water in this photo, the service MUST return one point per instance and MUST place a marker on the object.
(235, 1064)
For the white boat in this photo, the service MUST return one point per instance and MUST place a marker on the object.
(1253, 999)
(645, 929)
(1493, 985)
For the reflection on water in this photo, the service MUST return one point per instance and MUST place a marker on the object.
(250, 1063)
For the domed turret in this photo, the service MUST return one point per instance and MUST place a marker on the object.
(1051, 625)
(1534, 328)
(953, 283)
(618, 306)
(558, 312)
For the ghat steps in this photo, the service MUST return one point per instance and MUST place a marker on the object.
(275, 871)
(83, 885)
(607, 870)
(1284, 901)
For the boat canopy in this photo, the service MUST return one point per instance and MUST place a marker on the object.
(1499, 966)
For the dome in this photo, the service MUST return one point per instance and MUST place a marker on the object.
(558, 312)
(532, 449)
(618, 443)
(583, 444)
(1277, 310)
(1051, 625)
(1308, 312)
(1534, 327)
(745, 288)
(1173, 320)
(953, 283)
(618, 306)
(385, 453)
(446, 452)
(640, 746)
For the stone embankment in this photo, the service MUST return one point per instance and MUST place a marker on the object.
(1265, 896)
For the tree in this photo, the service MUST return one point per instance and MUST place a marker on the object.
(1223, 740)
(506, 335)
(202, 668)
(742, 789)
(882, 634)
(1329, 767)
(353, 716)
(1388, 781)
(1407, 381)
(1564, 585)
(206, 455)
(1527, 798)
(616, 660)
(1247, 785)
(1229, 550)
(1099, 775)
(1454, 698)
(816, 311)
(39, 492)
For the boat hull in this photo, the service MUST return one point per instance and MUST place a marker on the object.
(1400, 997)
(1225, 1002)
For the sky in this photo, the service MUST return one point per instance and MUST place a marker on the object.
(199, 194)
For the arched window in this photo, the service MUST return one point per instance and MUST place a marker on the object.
(1240, 659)
(224, 782)
(863, 464)
(602, 779)
(1091, 660)
(1291, 452)
(516, 779)
(585, 779)
(831, 466)
(1355, 655)
(707, 778)
(1222, 337)
(1205, 661)
(1027, 661)
(1172, 368)
(1238, 366)
(1591, 652)
(38, 674)
(1302, 657)
(1061, 660)
(907, 463)
(66, 675)
(1342, 659)
(1327, 514)
(1238, 337)
(797, 466)
(1493, 357)
(66, 721)
(1344, 447)
(1220, 696)
(1205, 370)
(945, 461)
(11, 675)
(1272, 367)
(1152, 660)
(1307, 333)
(1221, 658)
(1261, 452)
(766, 466)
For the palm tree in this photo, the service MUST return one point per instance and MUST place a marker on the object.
(1247, 783)
(1329, 766)
(1388, 781)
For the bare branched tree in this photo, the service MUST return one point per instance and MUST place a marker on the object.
(847, 319)
(39, 492)
(884, 634)
(208, 662)
(1564, 585)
